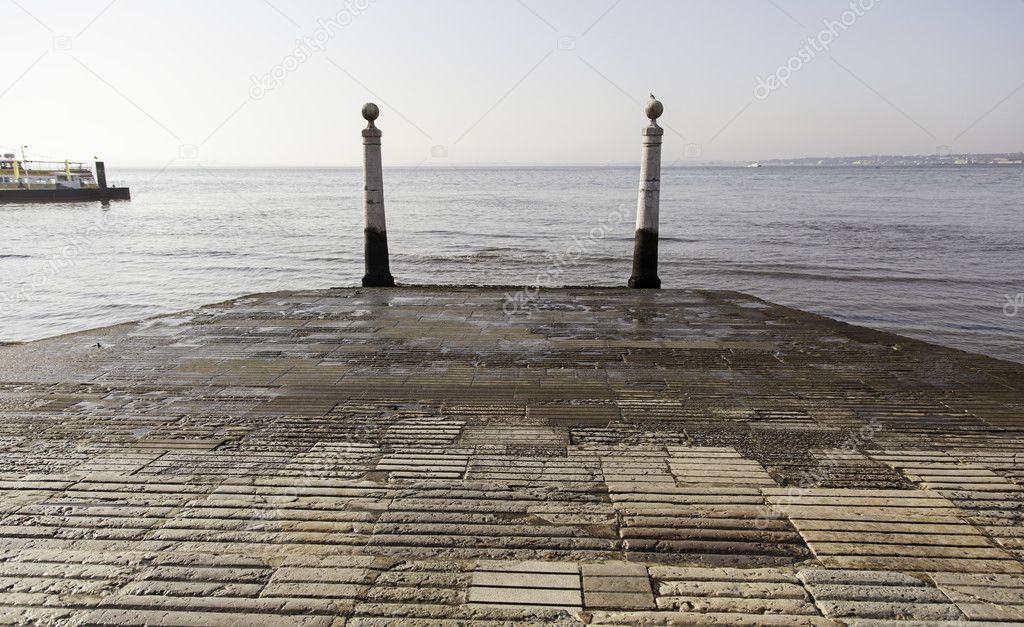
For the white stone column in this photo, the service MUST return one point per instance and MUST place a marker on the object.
(645, 248)
(378, 271)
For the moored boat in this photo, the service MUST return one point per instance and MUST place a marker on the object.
(22, 180)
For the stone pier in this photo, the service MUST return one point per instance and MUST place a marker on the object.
(374, 457)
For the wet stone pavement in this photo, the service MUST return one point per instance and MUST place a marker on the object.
(415, 456)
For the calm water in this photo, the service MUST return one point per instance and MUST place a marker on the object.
(931, 253)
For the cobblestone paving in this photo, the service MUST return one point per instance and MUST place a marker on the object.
(362, 457)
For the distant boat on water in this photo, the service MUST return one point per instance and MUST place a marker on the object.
(754, 165)
(22, 180)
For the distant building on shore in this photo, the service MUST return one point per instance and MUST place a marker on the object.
(875, 161)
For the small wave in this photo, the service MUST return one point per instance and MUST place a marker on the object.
(820, 276)
(684, 240)
(470, 235)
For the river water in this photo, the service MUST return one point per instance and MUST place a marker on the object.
(934, 253)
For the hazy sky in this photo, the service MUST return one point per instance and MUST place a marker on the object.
(534, 81)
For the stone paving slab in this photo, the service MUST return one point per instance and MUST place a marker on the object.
(416, 456)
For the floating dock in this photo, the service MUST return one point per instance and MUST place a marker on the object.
(606, 456)
(53, 182)
(59, 195)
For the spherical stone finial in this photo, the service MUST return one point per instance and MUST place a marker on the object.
(654, 108)
(370, 112)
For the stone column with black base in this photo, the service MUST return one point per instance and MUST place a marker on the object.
(645, 251)
(378, 270)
